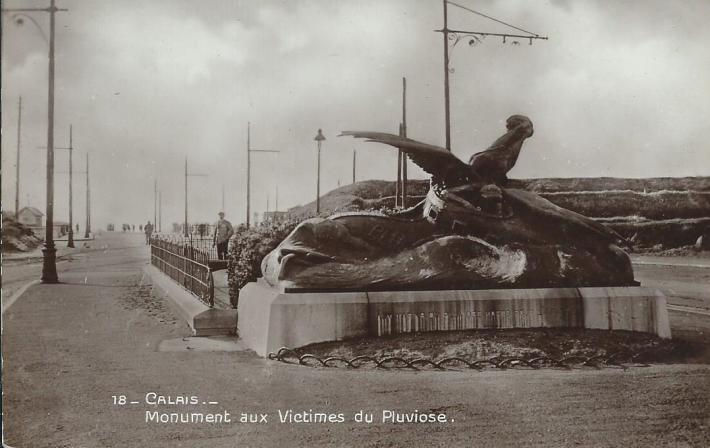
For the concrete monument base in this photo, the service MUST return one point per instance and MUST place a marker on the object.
(270, 319)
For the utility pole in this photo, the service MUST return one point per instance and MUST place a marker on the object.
(17, 166)
(160, 211)
(70, 148)
(277, 198)
(87, 231)
(403, 133)
(155, 202)
(70, 237)
(319, 139)
(455, 36)
(49, 259)
(249, 151)
(354, 163)
(398, 185)
(186, 232)
(248, 170)
(447, 108)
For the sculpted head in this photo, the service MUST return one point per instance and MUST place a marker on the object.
(516, 121)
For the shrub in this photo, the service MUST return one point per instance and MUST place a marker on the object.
(248, 247)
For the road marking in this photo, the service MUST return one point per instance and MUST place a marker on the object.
(7, 303)
(689, 309)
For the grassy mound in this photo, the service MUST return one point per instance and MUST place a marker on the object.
(672, 212)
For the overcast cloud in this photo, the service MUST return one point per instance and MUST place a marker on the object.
(620, 89)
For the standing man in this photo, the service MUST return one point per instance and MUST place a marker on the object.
(222, 232)
(148, 232)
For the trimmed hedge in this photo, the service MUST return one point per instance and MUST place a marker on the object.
(248, 247)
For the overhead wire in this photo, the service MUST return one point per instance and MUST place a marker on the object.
(490, 18)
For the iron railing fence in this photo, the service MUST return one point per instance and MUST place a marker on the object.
(203, 244)
(186, 264)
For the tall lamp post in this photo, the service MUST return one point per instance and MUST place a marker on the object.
(49, 260)
(319, 138)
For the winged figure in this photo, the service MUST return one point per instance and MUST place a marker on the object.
(447, 170)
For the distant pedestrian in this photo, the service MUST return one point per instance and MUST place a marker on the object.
(222, 232)
(133, 227)
(148, 232)
(140, 227)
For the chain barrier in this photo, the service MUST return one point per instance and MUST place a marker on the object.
(291, 356)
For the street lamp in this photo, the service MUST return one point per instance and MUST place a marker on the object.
(49, 260)
(319, 138)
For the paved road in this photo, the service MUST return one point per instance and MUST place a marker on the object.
(687, 285)
(70, 348)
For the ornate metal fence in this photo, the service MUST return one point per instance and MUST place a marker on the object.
(204, 244)
(185, 264)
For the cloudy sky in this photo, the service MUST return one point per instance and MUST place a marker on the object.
(620, 89)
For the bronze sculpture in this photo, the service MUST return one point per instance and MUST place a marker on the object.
(471, 232)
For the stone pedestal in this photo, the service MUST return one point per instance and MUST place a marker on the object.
(270, 319)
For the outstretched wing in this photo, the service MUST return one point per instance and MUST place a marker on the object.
(437, 161)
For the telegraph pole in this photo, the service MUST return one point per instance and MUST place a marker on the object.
(249, 151)
(17, 166)
(319, 139)
(248, 170)
(87, 231)
(354, 163)
(447, 108)
(70, 237)
(186, 232)
(398, 185)
(155, 202)
(160, 211)
(403, 133)
(70, 148)
(455, 36)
